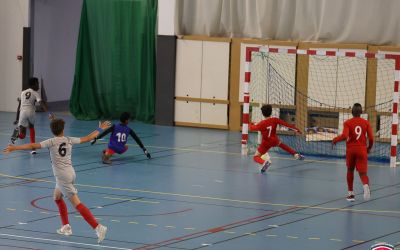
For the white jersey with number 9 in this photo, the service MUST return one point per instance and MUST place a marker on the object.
(28, 99)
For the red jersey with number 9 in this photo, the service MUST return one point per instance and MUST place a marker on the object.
(356, 130)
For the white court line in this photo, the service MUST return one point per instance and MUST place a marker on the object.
(63, 241)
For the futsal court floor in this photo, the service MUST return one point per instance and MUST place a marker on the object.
(196, 192)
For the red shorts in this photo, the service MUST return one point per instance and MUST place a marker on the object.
(109, 151)
(357, 157)
(266, 145)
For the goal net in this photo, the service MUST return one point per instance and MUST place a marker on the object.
(316, 94)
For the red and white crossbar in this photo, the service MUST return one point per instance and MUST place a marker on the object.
(313, 52)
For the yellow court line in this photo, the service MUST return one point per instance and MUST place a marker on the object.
(212, 198)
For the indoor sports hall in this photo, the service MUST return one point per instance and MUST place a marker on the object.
(195, 124)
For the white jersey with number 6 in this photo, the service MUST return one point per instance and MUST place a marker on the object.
(28, 99)
(60, 154)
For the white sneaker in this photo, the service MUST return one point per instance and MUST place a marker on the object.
(367, 192)
(33, 152)
(299, 157)
(100, 232)
(65, 230)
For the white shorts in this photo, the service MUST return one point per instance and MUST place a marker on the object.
(26, 117)
(66, 185)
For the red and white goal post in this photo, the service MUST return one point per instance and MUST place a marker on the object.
(249, 50)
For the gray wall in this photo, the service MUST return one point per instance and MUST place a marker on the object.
(14, 15)
(55, 34)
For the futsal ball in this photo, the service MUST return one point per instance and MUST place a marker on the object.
(266, 157)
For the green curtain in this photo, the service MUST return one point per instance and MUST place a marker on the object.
(115, 60)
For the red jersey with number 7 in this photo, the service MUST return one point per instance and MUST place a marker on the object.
(356, 130)
(268, 126)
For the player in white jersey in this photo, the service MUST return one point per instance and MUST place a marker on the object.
(60, 148)
(26, 112)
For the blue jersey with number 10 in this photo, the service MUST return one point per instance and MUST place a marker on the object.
(119, 137)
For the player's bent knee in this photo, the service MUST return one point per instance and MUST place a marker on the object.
(74, 199)
(57, 197)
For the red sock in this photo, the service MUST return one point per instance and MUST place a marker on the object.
(21, 136)
(364, 179)
(62, 208)
(287, 148)
(257, 158)
(350, 179)
(32, 134)
(87, 215)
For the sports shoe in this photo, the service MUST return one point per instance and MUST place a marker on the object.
(350, 198)
(105, 159)
(100, 232)
(299, 156)
(367, 192)
(65, 230)
(265, 166)
(14, 135)
(33, 152)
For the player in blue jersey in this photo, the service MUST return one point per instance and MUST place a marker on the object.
(119, 135)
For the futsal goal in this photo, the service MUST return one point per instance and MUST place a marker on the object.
(315, 90)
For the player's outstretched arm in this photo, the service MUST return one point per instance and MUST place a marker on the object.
(343, 136)
(104, 133)
(43, 104)
(29, 146)
(139, 142)
(104, 125)
(288, 125)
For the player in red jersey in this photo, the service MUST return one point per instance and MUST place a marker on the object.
(267, 127)
(355, 132)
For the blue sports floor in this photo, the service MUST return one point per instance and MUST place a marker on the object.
(196, 192)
